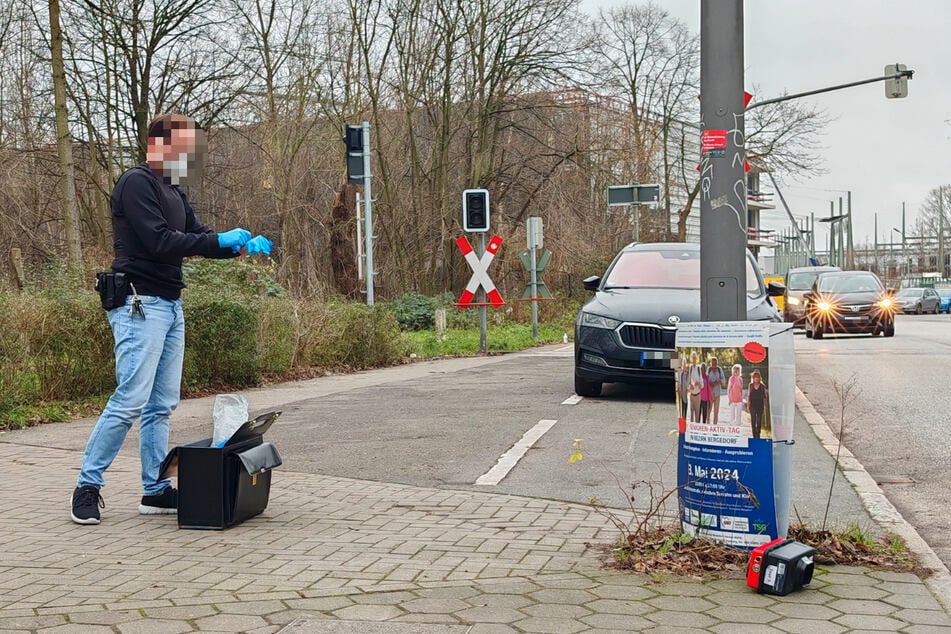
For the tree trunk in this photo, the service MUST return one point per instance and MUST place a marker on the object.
(342, 251)
(64, 145)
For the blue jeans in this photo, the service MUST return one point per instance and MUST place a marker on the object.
(149, 354)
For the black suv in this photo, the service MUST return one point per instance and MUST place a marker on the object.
(625, 333)
(849, 302)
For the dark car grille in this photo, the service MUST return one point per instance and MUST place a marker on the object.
(643, 336)
(855, 309)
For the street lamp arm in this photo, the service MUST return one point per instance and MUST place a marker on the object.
(897, 75)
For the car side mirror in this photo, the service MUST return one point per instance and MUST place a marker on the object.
(775, 289)
(591, 283)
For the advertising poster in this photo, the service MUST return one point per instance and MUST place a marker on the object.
(725, 465)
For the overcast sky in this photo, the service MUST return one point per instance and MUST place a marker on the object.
(885, 151)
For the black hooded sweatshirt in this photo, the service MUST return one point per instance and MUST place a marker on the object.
(154, 228)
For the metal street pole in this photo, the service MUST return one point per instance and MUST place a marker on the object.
(722, 175)
(850, 257)
(481, 298)
(368, 212)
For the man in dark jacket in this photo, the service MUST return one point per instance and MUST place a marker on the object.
(154, 228)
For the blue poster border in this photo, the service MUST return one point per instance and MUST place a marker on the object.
(726, 493)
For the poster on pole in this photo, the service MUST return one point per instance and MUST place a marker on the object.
(725, 461)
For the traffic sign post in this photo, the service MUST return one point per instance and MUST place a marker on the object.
(480, 280)
(480, 277)
(534, 238)
(356, 138)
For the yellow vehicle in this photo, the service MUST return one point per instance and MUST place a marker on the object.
(779, 299)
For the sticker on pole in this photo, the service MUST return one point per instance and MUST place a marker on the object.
(480, 276)
(713, 143)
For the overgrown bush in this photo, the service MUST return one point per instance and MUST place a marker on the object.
(56, 345)
(348, 335)
(414, 311)
(276, 342)
(235, 277)
(221, 335)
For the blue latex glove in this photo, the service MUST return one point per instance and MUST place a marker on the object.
(258, 244)
(233, 238)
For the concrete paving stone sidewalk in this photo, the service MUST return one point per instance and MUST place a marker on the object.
(332, 555)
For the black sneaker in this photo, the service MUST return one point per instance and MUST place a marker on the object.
(164, 503)
(86, 504)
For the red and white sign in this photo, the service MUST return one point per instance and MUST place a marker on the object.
(711, 140)
(479, 275)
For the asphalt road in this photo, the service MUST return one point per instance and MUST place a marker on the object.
(897, 414)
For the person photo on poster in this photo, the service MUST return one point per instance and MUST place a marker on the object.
(734, 394)
(757, 402)
(694, 385)
(704, 394)
(717, 382)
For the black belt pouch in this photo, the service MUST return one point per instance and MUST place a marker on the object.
(113, 289)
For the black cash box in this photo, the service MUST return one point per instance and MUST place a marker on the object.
(219, 487)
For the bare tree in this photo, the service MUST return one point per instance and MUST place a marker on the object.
(64, 144)
(785, 137)
(649, 60)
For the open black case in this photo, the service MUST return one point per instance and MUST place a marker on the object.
(219, 487)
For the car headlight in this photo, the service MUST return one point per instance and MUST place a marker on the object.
(793, 301)
(824, 306)
(597, 321)
(885, 303)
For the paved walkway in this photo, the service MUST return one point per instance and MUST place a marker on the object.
(333, 555)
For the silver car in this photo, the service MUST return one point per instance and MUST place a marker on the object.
(918, 300)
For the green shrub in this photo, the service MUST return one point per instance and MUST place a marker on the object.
(414, 311)
(235, 277)
(276, 340)
(63, 348)
(345, 335)
(220, 341)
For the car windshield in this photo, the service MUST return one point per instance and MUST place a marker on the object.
(849, 283)
(665, 269)
(944, 292)
(909, 292)
(801, 281)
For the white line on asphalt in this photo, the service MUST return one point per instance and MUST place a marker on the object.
(510, 458)
(574, 399)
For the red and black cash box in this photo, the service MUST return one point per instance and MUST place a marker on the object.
(780, 566)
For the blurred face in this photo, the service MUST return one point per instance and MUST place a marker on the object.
(179, 156)
(756, 379)
(736, 372)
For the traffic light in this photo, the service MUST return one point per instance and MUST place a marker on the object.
(353, 139)
(896, 87)
(475, 210)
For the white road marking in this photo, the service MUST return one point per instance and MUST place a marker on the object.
(510, 458)
(574, 399)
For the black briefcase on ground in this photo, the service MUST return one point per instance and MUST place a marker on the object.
(219, 487)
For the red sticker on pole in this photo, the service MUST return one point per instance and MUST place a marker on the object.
(712, 142)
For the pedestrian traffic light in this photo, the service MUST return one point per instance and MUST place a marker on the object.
(475, 210)
(353, 139)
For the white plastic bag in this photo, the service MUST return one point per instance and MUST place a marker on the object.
(230, 412)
